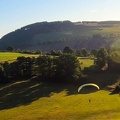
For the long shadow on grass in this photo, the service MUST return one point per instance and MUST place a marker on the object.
(114, 92)
(25, 92)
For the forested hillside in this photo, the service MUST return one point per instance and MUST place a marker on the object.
(47, 36)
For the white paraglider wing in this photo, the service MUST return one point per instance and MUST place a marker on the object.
(88, 84)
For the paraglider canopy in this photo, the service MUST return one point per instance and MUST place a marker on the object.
(88, 84)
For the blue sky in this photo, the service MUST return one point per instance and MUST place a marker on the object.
(15, 14)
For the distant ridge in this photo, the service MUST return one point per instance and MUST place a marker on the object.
(56, 35)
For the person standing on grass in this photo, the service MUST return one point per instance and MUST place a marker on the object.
(89, 100)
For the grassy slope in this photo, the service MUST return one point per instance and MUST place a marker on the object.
(45, 101)
(77, 33)
(34, 43)
(48, 41)
(106, 30)
(72, 34)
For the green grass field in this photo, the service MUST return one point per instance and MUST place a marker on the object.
(32, 100)
(85, 62)
(37, 100)
(8, 56)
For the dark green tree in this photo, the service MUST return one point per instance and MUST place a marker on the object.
(22, 67)
(94, 52)
(25, 66)
(59, 52)
(10, 48)
(53, 52)
(6, 66)
(68, 68)
(46, 66)
(84, 52)
(102, 56)
(114, 65)
(68, 50)
(14, 71)
(78, 53)
(38, 52)
(19, 51)
(3, 76)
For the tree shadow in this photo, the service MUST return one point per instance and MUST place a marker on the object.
(25, 92)
(114, 92)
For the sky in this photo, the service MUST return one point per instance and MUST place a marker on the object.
(15, 14)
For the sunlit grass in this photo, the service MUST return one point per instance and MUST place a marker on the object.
(9, 56)
(34, 100)
(106, 31)
(86, 62)
(114, 29)
(57, 102)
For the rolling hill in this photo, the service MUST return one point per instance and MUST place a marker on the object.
(56, 35)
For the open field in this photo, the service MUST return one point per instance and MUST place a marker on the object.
(106, 31)
(37, 100)
(33, 100)
(85, 62)
(8, 56)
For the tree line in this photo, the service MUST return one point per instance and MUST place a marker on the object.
(62, 67)
(66, 67)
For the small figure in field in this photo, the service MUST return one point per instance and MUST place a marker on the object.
(89, 100)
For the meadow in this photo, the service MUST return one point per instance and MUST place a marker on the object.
(85, 62)
(33, 100)
(9, 56)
